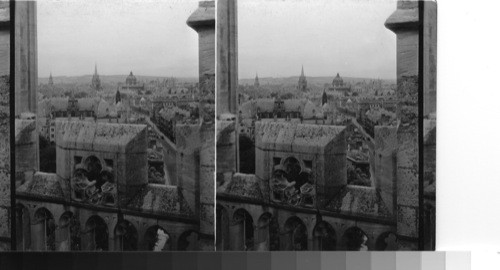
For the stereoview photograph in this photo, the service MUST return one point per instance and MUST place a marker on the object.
(114, 125)
(326, 123)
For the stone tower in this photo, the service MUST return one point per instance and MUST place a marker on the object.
(302, 81)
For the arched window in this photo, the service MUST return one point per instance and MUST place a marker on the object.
(222, 229)
(386, 241)
(188, 241)
(125, 236)
(292, 183)
(23, 228)
(241, 231)
(324, 237)
(96, 234)
(69, 232)
(94, 183)
(267, 233)
(43, 230)
(354, 239)
(295, 234)
(156, 239)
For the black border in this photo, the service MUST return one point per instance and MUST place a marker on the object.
(421, 100)
(12, 84)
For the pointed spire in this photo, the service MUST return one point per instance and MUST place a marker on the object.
(51, 81)
(302, 72)
(95, 70)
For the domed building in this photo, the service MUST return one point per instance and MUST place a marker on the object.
(131, 79)
(337, 81)
(338, 85)
(132, 86)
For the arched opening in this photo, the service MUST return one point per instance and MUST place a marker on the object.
(188, 241)
(68, 233)
(96, 234)
(295, 235)
(267, 233)
(324, 237)
(222, 229)
(126, 236)
(156, 239)
(43, 229)
(247, 154)
(355, 239)
(94, 167)
(241, 231)
(386, 241)
(23, 228)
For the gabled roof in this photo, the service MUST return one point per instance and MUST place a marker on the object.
(359, 201)
(295, 137)
(161, 199)
(242, 185)
(44, 185)
(89, 135)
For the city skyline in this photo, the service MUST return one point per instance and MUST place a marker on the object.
(348, 37)
(118, 37)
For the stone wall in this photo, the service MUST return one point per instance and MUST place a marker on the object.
(5, 168)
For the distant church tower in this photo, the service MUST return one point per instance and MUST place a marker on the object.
(302, 81)
(51, 82)
(256, 83)
(96, 81)
(324, 98)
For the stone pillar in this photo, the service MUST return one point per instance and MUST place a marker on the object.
(384, 159)
(207, 196)
(227, 78)
(188, 163)
(5, 210)
(203, 22)
(26, 62)
(26, 57)
(227, 57)
(405, 23)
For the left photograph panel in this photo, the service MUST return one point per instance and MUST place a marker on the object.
(114, 125)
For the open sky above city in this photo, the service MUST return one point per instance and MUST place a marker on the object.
(276, 37)
(148, 37)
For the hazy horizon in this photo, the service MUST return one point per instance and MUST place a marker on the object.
(276, 37)
(148, 37)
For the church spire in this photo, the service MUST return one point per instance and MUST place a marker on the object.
(256, 82)
(302, 85)
(51, 81)
(96, 81)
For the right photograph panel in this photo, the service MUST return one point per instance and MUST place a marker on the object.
(326, 125)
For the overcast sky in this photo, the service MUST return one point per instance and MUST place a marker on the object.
(327, 36)
(148, 37)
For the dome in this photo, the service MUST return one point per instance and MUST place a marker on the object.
(131, 79)
(338, 81)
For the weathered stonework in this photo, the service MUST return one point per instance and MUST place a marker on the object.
(5, 168)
